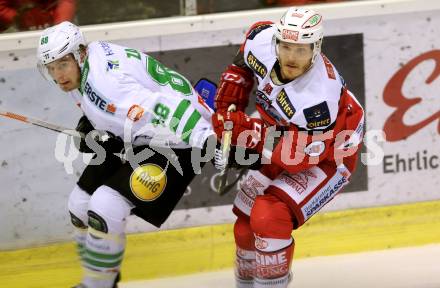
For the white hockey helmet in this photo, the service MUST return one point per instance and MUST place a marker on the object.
(58, 41)
(302, 26)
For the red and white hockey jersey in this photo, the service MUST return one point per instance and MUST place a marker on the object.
(324, 119)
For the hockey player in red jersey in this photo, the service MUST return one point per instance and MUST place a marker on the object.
(302, 96)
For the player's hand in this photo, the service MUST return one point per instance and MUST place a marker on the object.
(234, 88)
(110, 142)
(247, 132)
(84, 126)
(105, 139)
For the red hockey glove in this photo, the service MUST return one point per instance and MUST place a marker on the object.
(247, 132)
(234, 88)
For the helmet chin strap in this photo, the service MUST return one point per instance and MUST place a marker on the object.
(316, 50)
(80, 57)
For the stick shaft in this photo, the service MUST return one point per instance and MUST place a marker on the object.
(226, 146)
(39, 123)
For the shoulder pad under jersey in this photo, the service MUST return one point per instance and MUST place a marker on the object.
(257, 28)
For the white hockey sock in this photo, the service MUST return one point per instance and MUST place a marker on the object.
(103, 258)
(80, 239)
(281, 282)
(244, 268)
(273, 262)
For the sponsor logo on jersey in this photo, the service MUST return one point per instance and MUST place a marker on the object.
(344, 171)
(112, 65)
(256, 30)
(106, 47)
(317, 116)
(111, 108)
(256, 65)
(284, 102)
(251, 187)
(299, 181)
(135, 113)
(289, 35)
(148, 182)
(262, 97)
(324, 196)
(99, 101)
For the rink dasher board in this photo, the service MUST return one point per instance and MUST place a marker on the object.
(209, 248)
(394, 34)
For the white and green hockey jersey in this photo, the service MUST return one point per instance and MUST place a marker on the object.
(135, 97)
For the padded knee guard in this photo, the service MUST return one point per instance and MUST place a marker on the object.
(78, 205)
(105, 243)
(271, 218)
(243, 234)
(108, 211)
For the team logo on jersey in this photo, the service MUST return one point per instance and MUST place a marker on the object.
(148, 182)
(112, 65)
(256, 65)
(100, 102)
(260, 243)
(284, 102)
(317, 116)
(135, 113)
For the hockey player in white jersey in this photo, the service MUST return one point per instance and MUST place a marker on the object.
(300, 94)
(134, 98)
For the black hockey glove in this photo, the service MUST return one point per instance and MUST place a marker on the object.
(84, 126)
(105, 139)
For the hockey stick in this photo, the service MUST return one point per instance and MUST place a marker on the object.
(203, 87)
(41, 123)
(226, 147)
(226, 188)
(207, 89)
